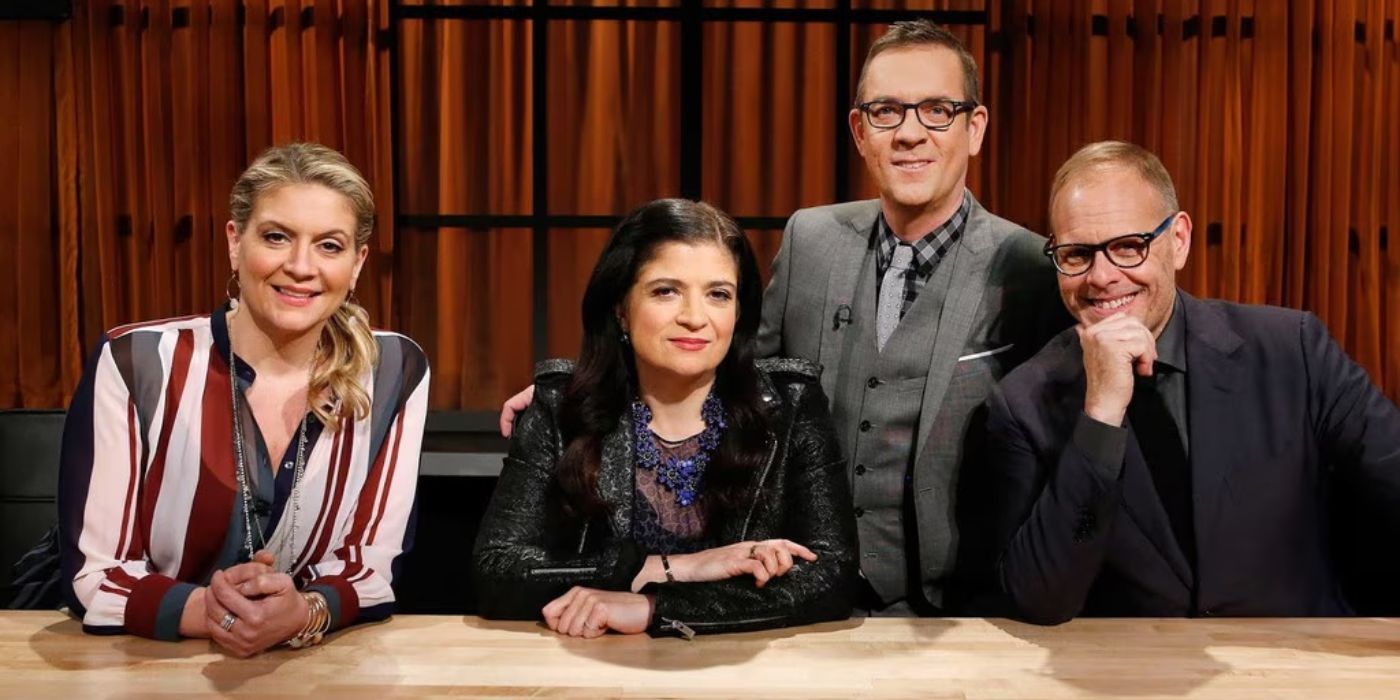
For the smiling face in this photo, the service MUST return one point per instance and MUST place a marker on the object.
(1104, 204)
(296, 258)
(918, 170)
(681, 310)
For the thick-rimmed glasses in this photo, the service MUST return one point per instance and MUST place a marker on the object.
(1126, 251)
(937, 115)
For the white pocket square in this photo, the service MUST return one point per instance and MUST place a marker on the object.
(987, 353)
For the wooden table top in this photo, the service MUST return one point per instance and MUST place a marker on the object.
(46, 655)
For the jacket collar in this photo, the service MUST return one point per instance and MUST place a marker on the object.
(615, 474)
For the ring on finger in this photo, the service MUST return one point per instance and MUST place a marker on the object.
(753, 552)
(227, 623)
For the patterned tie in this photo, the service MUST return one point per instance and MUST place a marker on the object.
(892, 294)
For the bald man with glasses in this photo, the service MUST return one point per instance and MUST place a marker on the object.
(1171, 456)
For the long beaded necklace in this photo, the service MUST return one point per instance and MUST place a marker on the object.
(679, 475)
(288, 546)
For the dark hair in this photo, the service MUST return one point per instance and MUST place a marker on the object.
(604, 382)
(921, 32)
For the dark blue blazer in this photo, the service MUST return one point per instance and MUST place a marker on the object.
(1284, 429)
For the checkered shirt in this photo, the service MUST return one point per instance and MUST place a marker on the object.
(928, 251)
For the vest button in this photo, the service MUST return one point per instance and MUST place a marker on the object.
(860, 469)
(859, 511)
(865, 426)
(872, 382)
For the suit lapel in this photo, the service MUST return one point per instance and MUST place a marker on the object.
(847, 259)
(955, 319)
(1212, 380)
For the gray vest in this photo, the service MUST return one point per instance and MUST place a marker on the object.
(876, 409)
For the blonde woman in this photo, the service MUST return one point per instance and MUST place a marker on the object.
(248, 476)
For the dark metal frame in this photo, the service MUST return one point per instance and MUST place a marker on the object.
(958, 107)
(691, 15)
(1051, 248)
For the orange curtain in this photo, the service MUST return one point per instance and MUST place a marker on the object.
(39, 346)
(1276, 119)
(465, 147)
(126, 127)
(130, 122)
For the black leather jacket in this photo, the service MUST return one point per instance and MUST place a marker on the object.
(527, 554)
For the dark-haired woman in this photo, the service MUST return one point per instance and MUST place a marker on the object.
(669, 483)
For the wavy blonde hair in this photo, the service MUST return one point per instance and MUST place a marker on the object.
(347, 348)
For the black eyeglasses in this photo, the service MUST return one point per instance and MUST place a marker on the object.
(937, 115)
(1127, 251)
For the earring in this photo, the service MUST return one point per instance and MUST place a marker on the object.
(626, 339)
(233, 289)
(350, 299)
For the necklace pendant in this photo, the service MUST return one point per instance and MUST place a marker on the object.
(245, 487)
(680, 475)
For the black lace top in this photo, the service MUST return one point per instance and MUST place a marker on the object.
(659, 523)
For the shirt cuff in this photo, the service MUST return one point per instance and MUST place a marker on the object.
(341, 598)
(155, 606)
(1104, 445)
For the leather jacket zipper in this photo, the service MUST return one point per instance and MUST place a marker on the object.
(688, 629)
(564, 570)
(762, 477)
(678, 626)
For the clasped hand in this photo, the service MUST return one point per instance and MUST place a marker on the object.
(266, 604)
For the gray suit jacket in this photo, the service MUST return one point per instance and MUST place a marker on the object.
(1002, 304)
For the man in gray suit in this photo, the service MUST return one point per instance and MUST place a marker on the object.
(915, 304)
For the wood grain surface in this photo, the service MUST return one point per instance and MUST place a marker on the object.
(47, 655)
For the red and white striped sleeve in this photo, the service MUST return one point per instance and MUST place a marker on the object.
(107, 578)
(356, 574)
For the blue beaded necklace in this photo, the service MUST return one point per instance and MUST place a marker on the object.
(680, 476)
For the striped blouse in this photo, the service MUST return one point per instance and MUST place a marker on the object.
(149, 504)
